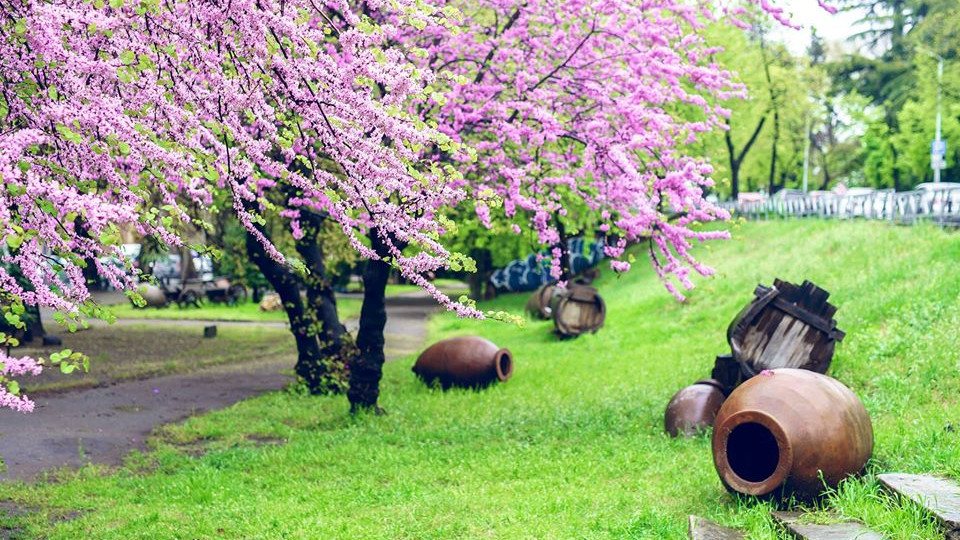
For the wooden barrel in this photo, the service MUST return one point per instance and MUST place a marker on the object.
(579, 310)
(785, 326)
(539, 303)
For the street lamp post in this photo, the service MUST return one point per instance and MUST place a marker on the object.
(936, 170)
(938, 149)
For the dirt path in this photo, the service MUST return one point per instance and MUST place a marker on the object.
(101, 425)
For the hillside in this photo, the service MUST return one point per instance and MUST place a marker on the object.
(573, 445)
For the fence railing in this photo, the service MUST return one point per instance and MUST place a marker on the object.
(941, 206)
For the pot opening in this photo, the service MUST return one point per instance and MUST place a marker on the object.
(504, 364)
(752, 452)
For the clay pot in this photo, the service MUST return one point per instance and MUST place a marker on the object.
(694, 408)
(539, 303)
(578, 311)
(468, 361)
(782, 428)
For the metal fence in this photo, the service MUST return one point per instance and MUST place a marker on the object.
(940, 206)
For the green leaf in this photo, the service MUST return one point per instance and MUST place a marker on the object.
(67, 368)
(116, 4)
(12, 319)
(13, 387)
(14, 241)
(69, 134)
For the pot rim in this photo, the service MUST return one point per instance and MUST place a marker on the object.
(498, 364)
(731, 478)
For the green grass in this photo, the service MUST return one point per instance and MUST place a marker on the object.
(249, 311)
(573, 446)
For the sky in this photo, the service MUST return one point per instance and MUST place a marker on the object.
(807, 13)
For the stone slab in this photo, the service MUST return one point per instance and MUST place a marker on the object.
(704, 529)
(939, 496)
(846, 530)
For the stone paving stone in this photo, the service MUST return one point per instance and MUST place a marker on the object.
(704, 529)
(847, 530)
(939, 496)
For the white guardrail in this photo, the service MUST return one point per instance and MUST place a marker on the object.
(941, 206)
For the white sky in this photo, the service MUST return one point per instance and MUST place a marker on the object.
(807, 13)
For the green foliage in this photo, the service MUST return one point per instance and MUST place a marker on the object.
(573, 445)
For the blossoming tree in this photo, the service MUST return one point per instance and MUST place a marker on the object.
(583, 113)
(141, 114)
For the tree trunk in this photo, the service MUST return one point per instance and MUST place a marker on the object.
(478, 279)
(310, 365)
(329, 375)
(566, 271)
(896, 168)
(366, 367)
(737, 159)
(734, 167)
(33, 324)
(773, 152)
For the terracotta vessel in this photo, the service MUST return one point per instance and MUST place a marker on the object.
(694, 408)
(468, 361)
(781, 429)
(578, 311)
(539, 303)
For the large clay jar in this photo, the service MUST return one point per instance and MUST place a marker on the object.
(468, 361)
(579, 310)
(694, 408)
(784, 428)
(539, 303)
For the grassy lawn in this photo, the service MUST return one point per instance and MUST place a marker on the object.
(573, 445)
(249, 311)
(139, 351)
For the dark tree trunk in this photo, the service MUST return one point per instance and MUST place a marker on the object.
(896, 168)
(90, 275)
(366, 367)
(734, 166)
(566, 271)
(825, 183)
(33, 324)
(336, 344)
(478, 279)
(773, 152)
(736, 159)
(287, 284)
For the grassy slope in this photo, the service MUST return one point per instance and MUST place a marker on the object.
(572, 447)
